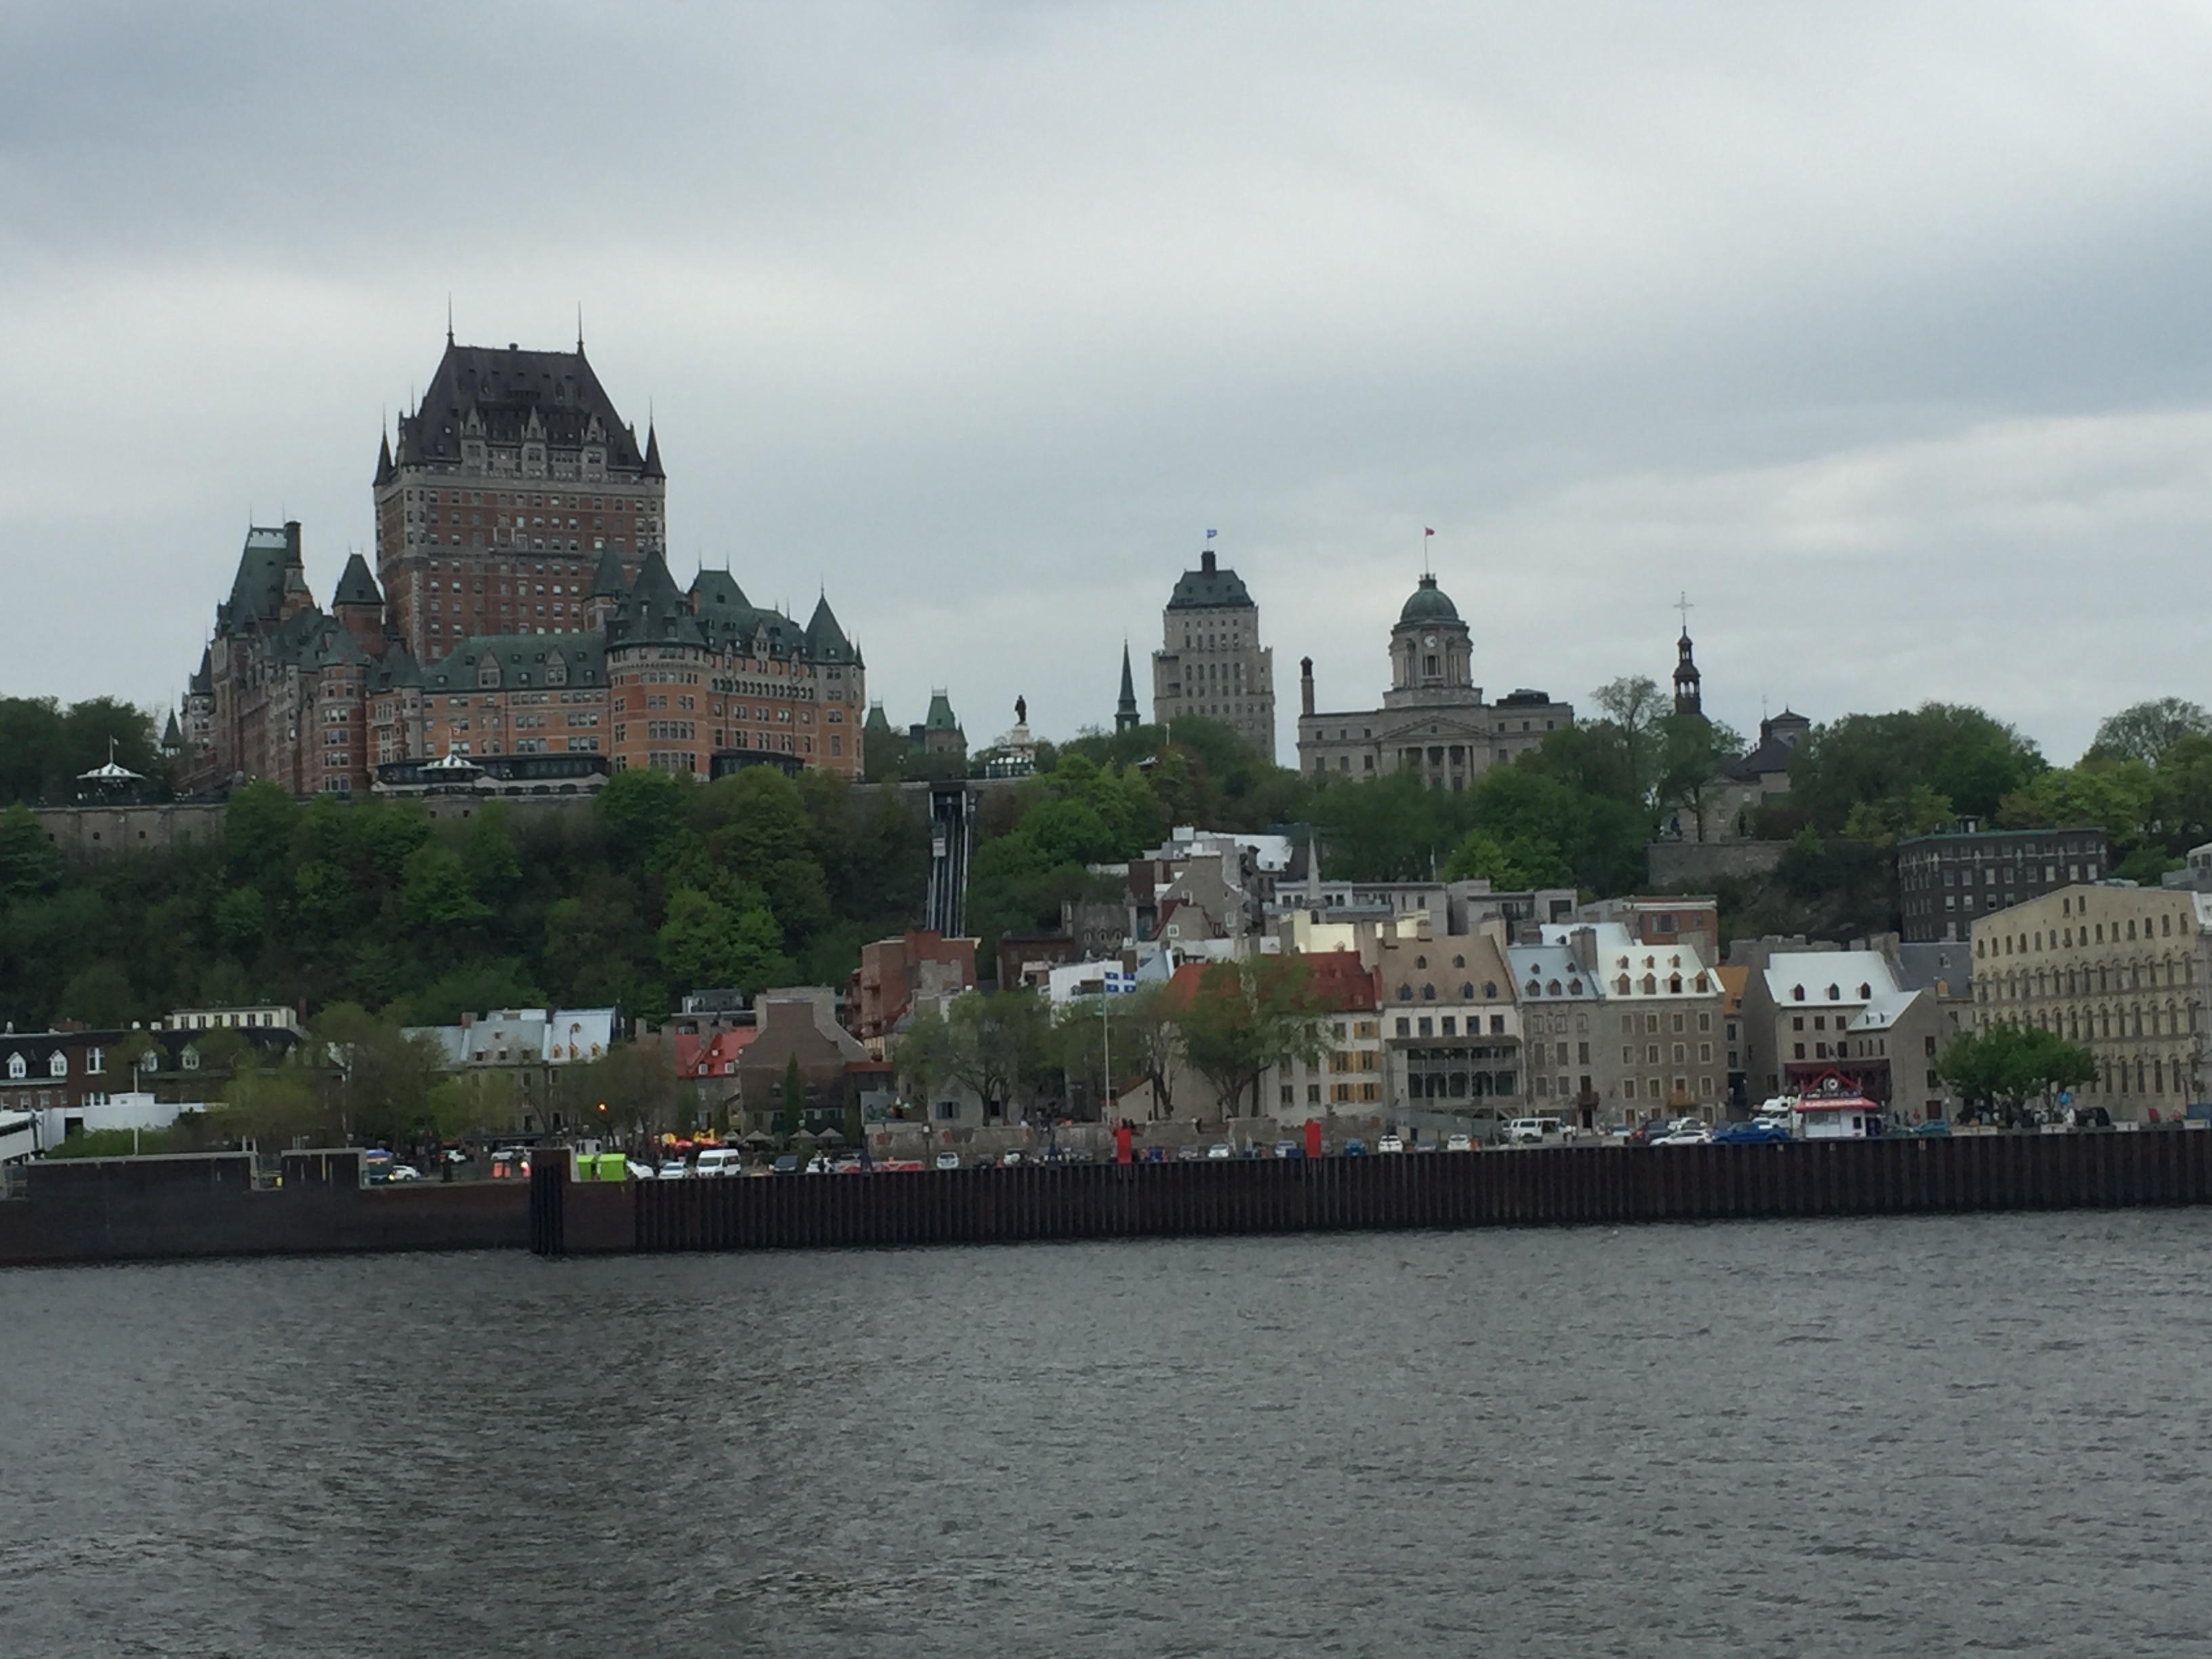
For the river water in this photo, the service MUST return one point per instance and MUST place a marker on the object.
(1895, 1436)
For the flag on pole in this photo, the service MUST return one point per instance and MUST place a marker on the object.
(1211, 534)
(1428, 532)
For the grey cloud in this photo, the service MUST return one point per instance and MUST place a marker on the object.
(978, 314)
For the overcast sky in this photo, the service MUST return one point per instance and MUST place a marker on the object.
(1881, 330)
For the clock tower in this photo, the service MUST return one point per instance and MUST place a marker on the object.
(1431, 660)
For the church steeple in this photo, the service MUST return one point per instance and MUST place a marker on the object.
(1689, 696)
(1126, 717)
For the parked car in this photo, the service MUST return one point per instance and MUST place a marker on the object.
(1752, 1133)
(1355, 1148)
(718, 1161)
(1458, 1144)
(1389, 1143)
(948, 1160)
(1219, 1150)
(1933, 1126)
(637, 1171)
(1189, 1154)
(1289, 1149)
(787, 1164)
(849, 1163)
(1684, 1135)
(404, 1172)
(1011, 1158)
(674, 1169)
(455, 1155)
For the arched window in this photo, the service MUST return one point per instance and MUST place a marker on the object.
(1798, 993)
(1428, 993)
(1420, 962)
(1652, 985)
(1489, 989)
(1866, 992)
(1405, 993)
(1621, 986)
(1835, 993)
(1534, 989)
(1466, 991)
(1459, 961)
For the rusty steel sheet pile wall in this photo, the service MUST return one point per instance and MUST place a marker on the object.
(1538, 1187)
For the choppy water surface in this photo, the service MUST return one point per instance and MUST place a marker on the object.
(1821, 1438)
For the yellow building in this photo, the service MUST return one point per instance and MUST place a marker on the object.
(2120, 970)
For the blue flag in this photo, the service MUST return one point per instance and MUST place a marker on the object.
(1211, 534)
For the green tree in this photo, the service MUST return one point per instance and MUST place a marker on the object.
(703, 944)
(100, 996)
(1243, 1017)
(2145, 730)
(1000, 1045)
(2001, 1069)
(1970, 761)
(923, 1058)
(29, 863)
(1692, 750)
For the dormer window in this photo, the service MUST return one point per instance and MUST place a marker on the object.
(58, 1064)
(1798, 993)
(16, 1068)
(1835, 994)
(1865, 993)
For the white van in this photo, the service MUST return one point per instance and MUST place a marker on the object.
(721, 1161)
(1533, 1131)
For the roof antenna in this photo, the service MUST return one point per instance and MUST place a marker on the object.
(580, 328)
(449, 316)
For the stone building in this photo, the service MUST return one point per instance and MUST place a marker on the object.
(1433, 721)
(1620, 1030)
(1944, 882)
(512, 476)
(1452, 1023)
(1812, 1012)
(1211, 662)
(2120, 970)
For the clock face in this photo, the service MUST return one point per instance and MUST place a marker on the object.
(1430, 641)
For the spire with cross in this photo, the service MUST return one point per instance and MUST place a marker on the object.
(1689, 692)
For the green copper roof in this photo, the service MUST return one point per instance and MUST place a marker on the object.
(1429, 605)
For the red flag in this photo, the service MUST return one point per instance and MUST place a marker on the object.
(1428, 532)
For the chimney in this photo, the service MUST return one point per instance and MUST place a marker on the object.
(1206, 562)
(1305, 685)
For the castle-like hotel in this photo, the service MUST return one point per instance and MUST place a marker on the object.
(521, 624)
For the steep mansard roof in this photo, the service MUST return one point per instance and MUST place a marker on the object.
(357, 586)
(655, 612)
(608, 580)
(526, 660)
(1210, 588)
(257, 594)
(505, 397)
(825, 640)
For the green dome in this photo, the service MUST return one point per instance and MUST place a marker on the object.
(1428, 605)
